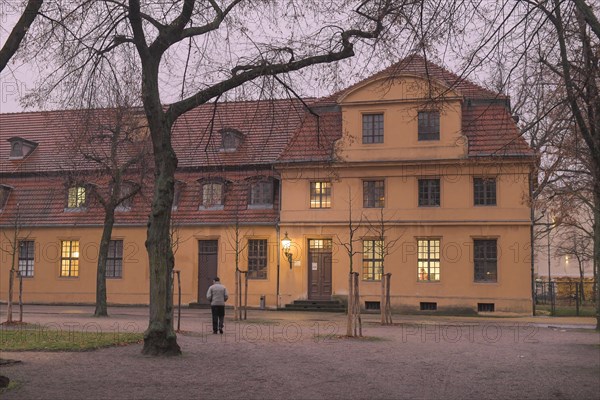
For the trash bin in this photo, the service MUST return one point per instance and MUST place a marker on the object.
(262, 301)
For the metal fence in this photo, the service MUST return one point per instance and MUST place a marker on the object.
(565, 294)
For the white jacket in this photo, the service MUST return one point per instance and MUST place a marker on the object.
(217, 294)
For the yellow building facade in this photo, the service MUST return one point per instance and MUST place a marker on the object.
(427, 170)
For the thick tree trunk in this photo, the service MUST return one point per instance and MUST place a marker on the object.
(109, 221)
(160, 337)
(597, 243)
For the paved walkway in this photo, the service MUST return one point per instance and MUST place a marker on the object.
(297, 355)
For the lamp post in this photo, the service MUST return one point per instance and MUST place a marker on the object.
(550, 291)
(286, 244)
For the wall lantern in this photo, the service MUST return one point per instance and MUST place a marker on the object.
(286, 243)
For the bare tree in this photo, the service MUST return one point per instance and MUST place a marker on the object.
(113, 143)
(577, 245)
(14, 237)
(560, 39)
(354, 322)
(19, 30)
(385, 246)
(235, 238)
(187, 38)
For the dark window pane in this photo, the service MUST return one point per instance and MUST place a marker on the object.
(485, 260)
(429, 192)
(429, 125)
(257, 259)
(372, 125)
(114, 260)
(26, 257)
(373, 194)
(484, 190)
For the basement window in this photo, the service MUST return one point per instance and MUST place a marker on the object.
(372, 305)
(485, 307)
(428, 306)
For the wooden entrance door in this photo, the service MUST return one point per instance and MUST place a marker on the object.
(207, 267)
(319, 269)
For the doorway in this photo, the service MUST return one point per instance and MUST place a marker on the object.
(207, 267)
(319, 269)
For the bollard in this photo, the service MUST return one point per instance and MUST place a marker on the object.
(262, 301)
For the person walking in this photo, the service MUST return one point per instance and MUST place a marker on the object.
(217, 295)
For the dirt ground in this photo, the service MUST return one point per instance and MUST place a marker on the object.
(280, 355)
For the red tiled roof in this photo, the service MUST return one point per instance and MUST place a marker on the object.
(491, 131)
(267, 126)
(417, 65)
(41, 201)
(276, 132)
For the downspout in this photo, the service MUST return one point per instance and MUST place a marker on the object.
(278, 230)
(278, 234)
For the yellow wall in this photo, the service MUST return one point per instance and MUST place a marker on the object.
(400, 101)
(400, 161)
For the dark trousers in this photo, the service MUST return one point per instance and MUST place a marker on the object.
(218, 315)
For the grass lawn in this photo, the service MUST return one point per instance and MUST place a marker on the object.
(564, 311)
(36, 338)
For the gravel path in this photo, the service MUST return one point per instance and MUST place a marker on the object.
(281, 355)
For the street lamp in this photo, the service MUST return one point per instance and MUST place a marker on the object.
(286, 243)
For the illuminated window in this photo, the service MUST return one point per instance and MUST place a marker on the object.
(26, 257)
(373, 194)
(372, 260)
(372, 128)
(429, 125)
(320, 194)
(257, 259)
(212, 195)
(76, 197)
(486, 260)
(114, 260)
(320, 244)
(484, 190)
(428, 264)
(69, 260)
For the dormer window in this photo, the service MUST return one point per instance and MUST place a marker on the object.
(231, 139)
(126, 194)
(179, 185)
(76, 197)
(4, 193)
(262, 193)
(213, 195)
(20, 148)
